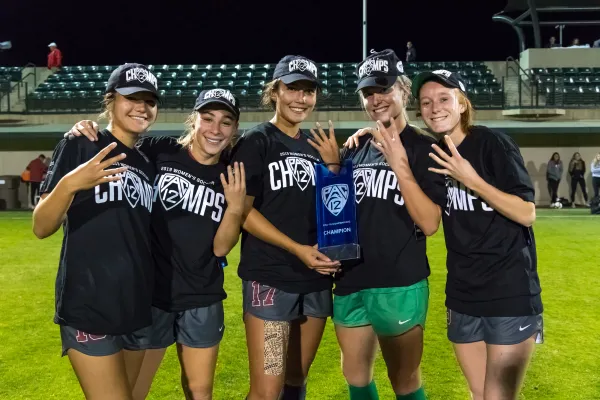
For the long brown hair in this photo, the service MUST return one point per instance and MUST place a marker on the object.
(467, 117)
(266, 100)
(579, 163)
(108, 105)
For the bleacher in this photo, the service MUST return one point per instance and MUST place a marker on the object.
(8, 75)
(568, 87)
(80, 89)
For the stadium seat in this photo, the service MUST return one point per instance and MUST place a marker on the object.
(86, 84)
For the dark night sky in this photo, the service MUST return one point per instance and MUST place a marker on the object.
(260, 31)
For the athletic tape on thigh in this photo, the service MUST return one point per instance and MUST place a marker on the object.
(276, 336)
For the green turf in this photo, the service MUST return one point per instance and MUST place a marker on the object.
(565, 367)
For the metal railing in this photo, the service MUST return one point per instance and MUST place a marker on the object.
(21, 87)
(524, 82)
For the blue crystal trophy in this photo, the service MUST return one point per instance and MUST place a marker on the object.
(337, 234)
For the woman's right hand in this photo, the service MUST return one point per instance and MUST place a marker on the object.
(352, 141)
(317, 261)
(86, 128)
(93, 172)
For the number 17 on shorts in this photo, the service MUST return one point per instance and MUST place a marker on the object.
(262, 295)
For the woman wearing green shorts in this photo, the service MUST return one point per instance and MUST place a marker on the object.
(383, 297)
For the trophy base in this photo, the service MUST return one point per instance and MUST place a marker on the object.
(342, 252)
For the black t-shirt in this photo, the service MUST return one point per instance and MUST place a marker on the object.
(492, 261)
(280, 175)
(393, 248)
(189, 204)
(104, 281)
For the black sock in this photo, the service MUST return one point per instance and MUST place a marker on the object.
(294, 392)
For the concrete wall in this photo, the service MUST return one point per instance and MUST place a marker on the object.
(560, 58)
(536, 159)
(498, 68)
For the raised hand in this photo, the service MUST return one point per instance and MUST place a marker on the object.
(93, 172)
(325, 144)
(454, 166)
(86, 128)
(235, 188)
(387, 140)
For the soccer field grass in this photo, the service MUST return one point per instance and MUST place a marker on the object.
(566, 366)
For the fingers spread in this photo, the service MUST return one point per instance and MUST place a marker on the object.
(242, 176)
(112, 160)
(102, 153)
(439, 171)
(439, 161)
(223, 180)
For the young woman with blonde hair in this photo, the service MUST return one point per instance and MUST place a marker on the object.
(383, 297)
(196, 219)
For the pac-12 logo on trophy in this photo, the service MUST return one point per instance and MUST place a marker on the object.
(335, 197)
(337, 233)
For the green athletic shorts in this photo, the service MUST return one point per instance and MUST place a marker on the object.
(390, 311)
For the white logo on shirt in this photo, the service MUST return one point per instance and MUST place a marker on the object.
(173, 190)
(376, 183)
(135, 190)
(373, 65)
(459, 197)
(284, 173)
(335, 197)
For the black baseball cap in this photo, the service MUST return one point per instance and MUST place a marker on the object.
(221, 96)
(132, 78)
(296, 68)
(446, 78)
(380, 69)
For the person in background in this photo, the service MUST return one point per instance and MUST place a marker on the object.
(595, 167)
(54, 58)
(552, 43)
(37, 170)
(411, 53)
(554, 172)
(577, 171)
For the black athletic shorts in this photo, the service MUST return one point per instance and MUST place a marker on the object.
(201, 327)
(271, 304)
(91, 345)
(464, 328)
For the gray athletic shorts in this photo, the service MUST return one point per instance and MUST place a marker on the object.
(270, 304)
(464, 328)
(91, 345)
(201, 327)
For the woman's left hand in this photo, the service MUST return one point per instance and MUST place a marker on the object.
(235, 188)
(454, 166)
(325, 144)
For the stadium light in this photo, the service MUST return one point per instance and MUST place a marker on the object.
(364, 29)
(560, 27)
